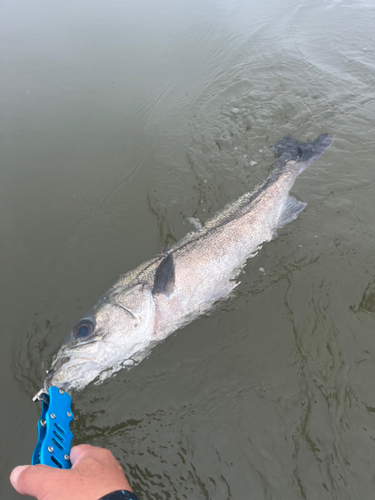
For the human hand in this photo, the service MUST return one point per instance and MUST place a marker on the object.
(95, 472)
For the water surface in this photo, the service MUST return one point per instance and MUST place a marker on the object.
(119, 122)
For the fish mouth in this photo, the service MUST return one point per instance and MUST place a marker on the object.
(63, 372)
(56, 365)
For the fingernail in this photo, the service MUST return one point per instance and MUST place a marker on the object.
(16, 472)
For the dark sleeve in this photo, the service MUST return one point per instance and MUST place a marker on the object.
(120, 495)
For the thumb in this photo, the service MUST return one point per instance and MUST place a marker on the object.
(15, 473)
(32, 479)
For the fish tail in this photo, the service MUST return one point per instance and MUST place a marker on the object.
(302, 153)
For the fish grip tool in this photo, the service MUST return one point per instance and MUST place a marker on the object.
(54, 434)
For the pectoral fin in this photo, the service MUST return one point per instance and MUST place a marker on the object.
(165, 276)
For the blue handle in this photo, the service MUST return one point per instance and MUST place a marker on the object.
(54, 434)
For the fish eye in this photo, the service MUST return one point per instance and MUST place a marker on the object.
(83, 329)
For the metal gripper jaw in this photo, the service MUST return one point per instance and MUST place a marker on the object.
(54, 434)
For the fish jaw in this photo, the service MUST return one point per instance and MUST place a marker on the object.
(71, 375)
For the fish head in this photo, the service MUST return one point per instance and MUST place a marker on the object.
(117, 328)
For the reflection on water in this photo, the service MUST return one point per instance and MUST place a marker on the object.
(122, 124)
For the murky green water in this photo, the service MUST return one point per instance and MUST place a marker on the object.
(119, 121)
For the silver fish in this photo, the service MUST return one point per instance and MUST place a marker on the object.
(147, 304)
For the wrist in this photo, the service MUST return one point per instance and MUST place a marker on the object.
(120, 495)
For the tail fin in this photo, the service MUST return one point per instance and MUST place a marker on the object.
(302, 153)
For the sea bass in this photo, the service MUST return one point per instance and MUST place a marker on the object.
(147, 304)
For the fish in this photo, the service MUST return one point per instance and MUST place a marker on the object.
(144, 306)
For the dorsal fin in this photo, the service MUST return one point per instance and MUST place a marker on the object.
(165, 276)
